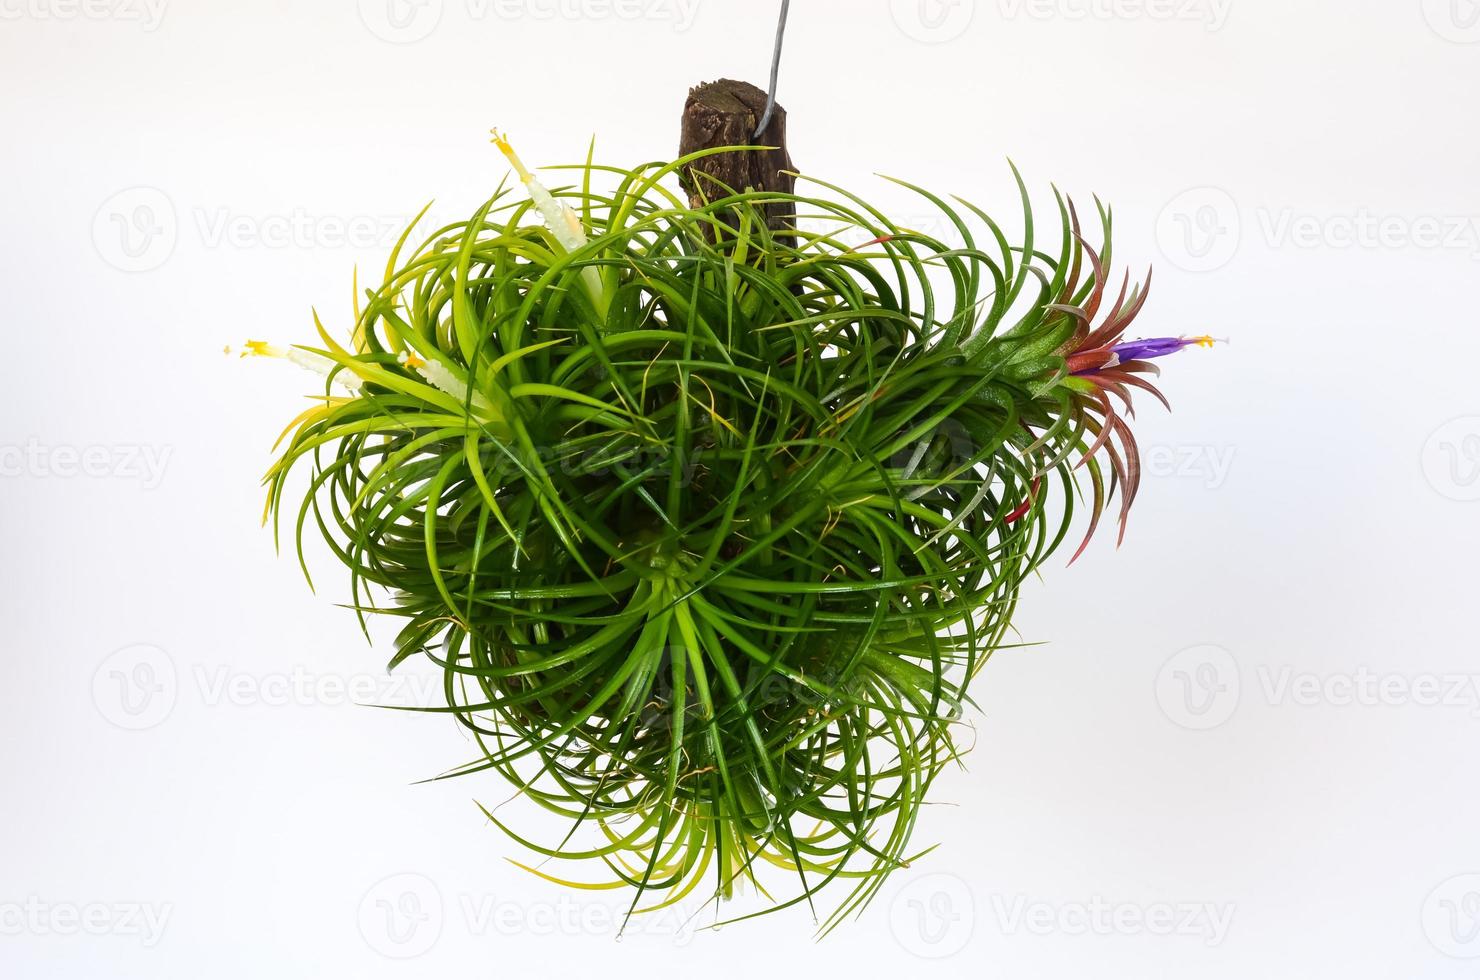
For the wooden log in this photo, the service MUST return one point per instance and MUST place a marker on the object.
(726, 113)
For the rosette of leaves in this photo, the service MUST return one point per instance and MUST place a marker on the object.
(709, 527)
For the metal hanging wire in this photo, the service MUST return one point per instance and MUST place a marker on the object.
(775, 70)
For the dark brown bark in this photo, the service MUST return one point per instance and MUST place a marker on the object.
(725, 113)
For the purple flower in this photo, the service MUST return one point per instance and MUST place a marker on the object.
(1141, 350)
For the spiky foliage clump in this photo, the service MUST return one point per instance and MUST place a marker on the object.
(708, 526)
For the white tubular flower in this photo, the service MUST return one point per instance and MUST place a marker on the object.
(437, 375)
(308, 360)
(559, 218)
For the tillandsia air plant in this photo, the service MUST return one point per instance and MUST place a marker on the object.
(708, 527)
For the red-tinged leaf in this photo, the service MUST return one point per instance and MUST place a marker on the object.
(1139, 367)
(1094, 360)
(1026, 505)
(1092, 306)
(1132, 474)
(1135, 381)
(1124, 320)
(1102, 438)
(1097, 507)
(1109, 332)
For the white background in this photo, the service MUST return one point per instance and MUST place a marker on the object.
(1247, 745)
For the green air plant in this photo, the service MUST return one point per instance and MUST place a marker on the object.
(708, 526)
